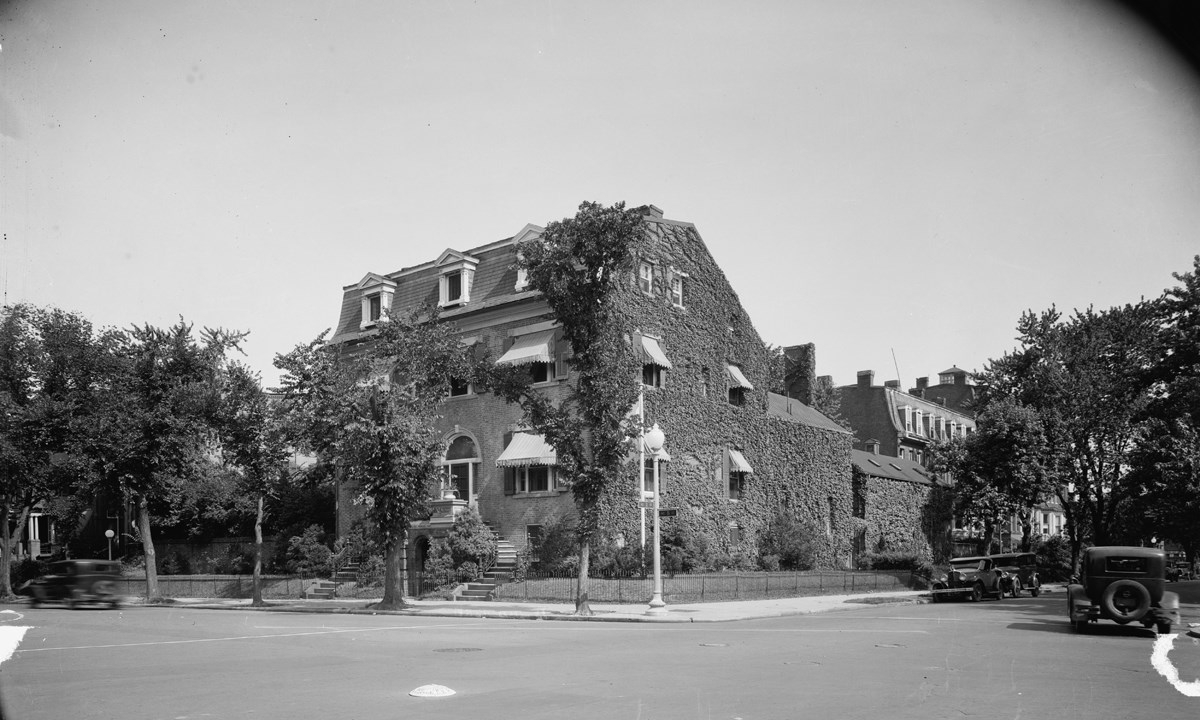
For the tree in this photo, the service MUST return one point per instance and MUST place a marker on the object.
(157, 423)
(371, 410)
(52, 365)
(1087, 378)
(581, 265)
(998, 469)
(1166, 461)
(252, 440)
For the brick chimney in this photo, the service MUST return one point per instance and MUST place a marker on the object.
(922, 384)
(866, 378)
(893, 384)
(800, 371)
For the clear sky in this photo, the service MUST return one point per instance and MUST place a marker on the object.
(876, 177)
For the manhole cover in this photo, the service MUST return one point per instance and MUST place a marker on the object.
(458, 650)
(432, 691)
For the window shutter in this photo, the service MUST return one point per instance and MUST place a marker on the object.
(725, 472)
(510, 481)
(562, 350)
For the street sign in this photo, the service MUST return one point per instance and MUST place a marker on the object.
(668, 512)
(646, 504)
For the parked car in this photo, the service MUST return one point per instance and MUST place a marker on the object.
(969, 577)
(76, 582)
(1181, 570)
(1021, 573)
(1125, 585)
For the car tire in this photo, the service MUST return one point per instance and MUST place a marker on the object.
(35, 601)
(1035, 590)
(977, 592)
(1016, 587)
(1163, 628)
(1126, 589)
(104, 590)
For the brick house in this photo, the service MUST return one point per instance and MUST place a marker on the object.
(888, 421)
(899, 505)
(735, 453)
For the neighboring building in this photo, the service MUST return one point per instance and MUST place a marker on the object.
(890, 422)
(737, 453)
(900, 506)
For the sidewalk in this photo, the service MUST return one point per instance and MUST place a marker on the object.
(602, 612)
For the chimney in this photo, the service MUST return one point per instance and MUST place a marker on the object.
(922, 384)
(893, 384)
(800, 371)
(651, 211)
(866, 378)
(872, 446)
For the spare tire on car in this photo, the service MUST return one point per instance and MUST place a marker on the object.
(1125, 601)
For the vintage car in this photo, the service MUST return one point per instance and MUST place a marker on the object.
(1125, 585)
(1180, 570)
(77, 582)
(969, 577)
(1021, 573)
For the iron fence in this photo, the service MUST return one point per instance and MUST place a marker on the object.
(712, 587)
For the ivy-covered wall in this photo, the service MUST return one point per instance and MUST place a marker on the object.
(904, 517)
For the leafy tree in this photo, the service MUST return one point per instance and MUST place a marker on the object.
(1086, 377)
(371, 411)
(52, 365)
(1166, 461)
(253, 440)
(999, 469)
(581, 266)
(157, 423)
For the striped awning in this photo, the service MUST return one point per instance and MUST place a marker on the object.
(737, 463)
(653, 354)
(527, 449)
(737, 378)
(535, 347)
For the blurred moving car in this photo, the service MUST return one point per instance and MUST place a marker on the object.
(969, 577)
(1021, 573)
(1125, 585)
(76, 582)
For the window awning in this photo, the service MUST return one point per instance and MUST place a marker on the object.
(653, 354)
(535, 347)
(737, 463)
(527, 449)
(737, 378)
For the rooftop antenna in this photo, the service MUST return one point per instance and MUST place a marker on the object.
(897, 366)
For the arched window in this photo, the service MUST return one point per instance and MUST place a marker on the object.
(462, 467)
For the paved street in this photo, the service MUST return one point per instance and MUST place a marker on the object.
(1010, 659)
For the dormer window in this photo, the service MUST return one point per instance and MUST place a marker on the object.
(456, 273)
(376, 294)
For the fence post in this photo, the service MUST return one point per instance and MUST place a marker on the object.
(736, 585)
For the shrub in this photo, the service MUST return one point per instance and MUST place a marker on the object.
(439, 564)
(175, 563)
(26, 570)
(1054, 558)
(472, 542)
(797, 543)
(891, 560)
(370, 570)
(558, 551)
(307, 554)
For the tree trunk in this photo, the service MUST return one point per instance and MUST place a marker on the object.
(1026, 529)
(393, 573)
(152, 594)
(582, 607)
(256, 581)
(6, 590)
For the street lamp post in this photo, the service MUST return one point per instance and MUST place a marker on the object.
(654, 443)
(109, 534)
